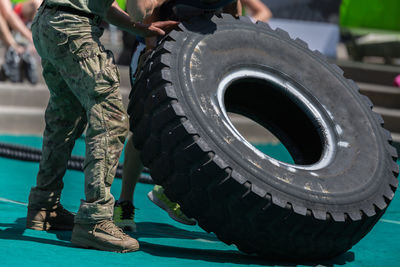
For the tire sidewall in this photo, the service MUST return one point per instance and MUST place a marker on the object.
(351, 179)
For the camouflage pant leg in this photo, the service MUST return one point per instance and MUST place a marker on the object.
(65, 121)
(72, 44)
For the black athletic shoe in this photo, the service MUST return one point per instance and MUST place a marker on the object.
(124, 216)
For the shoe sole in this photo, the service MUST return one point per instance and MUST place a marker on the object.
(153, 198)
(44, 226)
(87, 243)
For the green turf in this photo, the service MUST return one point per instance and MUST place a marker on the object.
(163, 241)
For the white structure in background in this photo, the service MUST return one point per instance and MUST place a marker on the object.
(320, 36)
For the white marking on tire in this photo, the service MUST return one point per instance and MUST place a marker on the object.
(307, 186)
(323, 190)
(327, 111)
(274, 162)
(344, 144)
(339, 129)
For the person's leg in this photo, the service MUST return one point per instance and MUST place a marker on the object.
(107, 126)
(65, 122)
(105, 137)
(131, 171)
(72, 44)
(90, 73)
(124, 210)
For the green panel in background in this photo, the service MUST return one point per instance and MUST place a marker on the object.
(373, 14)
(122, 4)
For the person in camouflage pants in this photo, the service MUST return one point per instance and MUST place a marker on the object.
(84, 91)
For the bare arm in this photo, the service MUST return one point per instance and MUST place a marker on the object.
(7, 37)
(13, 20)
(29, 8)
(257, 9)
(139, 10)
(115, 15)
(151, 42)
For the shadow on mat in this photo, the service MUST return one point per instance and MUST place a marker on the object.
(231, 256)
(15, 231)
(162, 230)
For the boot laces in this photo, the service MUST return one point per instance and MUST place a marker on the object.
(109, 227)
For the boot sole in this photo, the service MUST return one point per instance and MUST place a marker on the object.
(87, 243)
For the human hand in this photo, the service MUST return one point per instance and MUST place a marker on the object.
(155, 28)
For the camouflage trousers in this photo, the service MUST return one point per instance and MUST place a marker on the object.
(84, 91)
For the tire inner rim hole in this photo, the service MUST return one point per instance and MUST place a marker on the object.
(269, 105)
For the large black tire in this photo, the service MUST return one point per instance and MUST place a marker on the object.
(345, 171)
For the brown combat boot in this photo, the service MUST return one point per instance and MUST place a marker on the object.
(104, 235)
(45, 220)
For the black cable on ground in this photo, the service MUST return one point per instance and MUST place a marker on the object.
(26, 153)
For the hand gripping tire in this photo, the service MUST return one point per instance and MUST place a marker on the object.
(345, 171)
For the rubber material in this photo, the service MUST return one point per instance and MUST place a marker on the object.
(345, 172)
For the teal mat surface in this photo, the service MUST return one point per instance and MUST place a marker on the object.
(163, 241)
